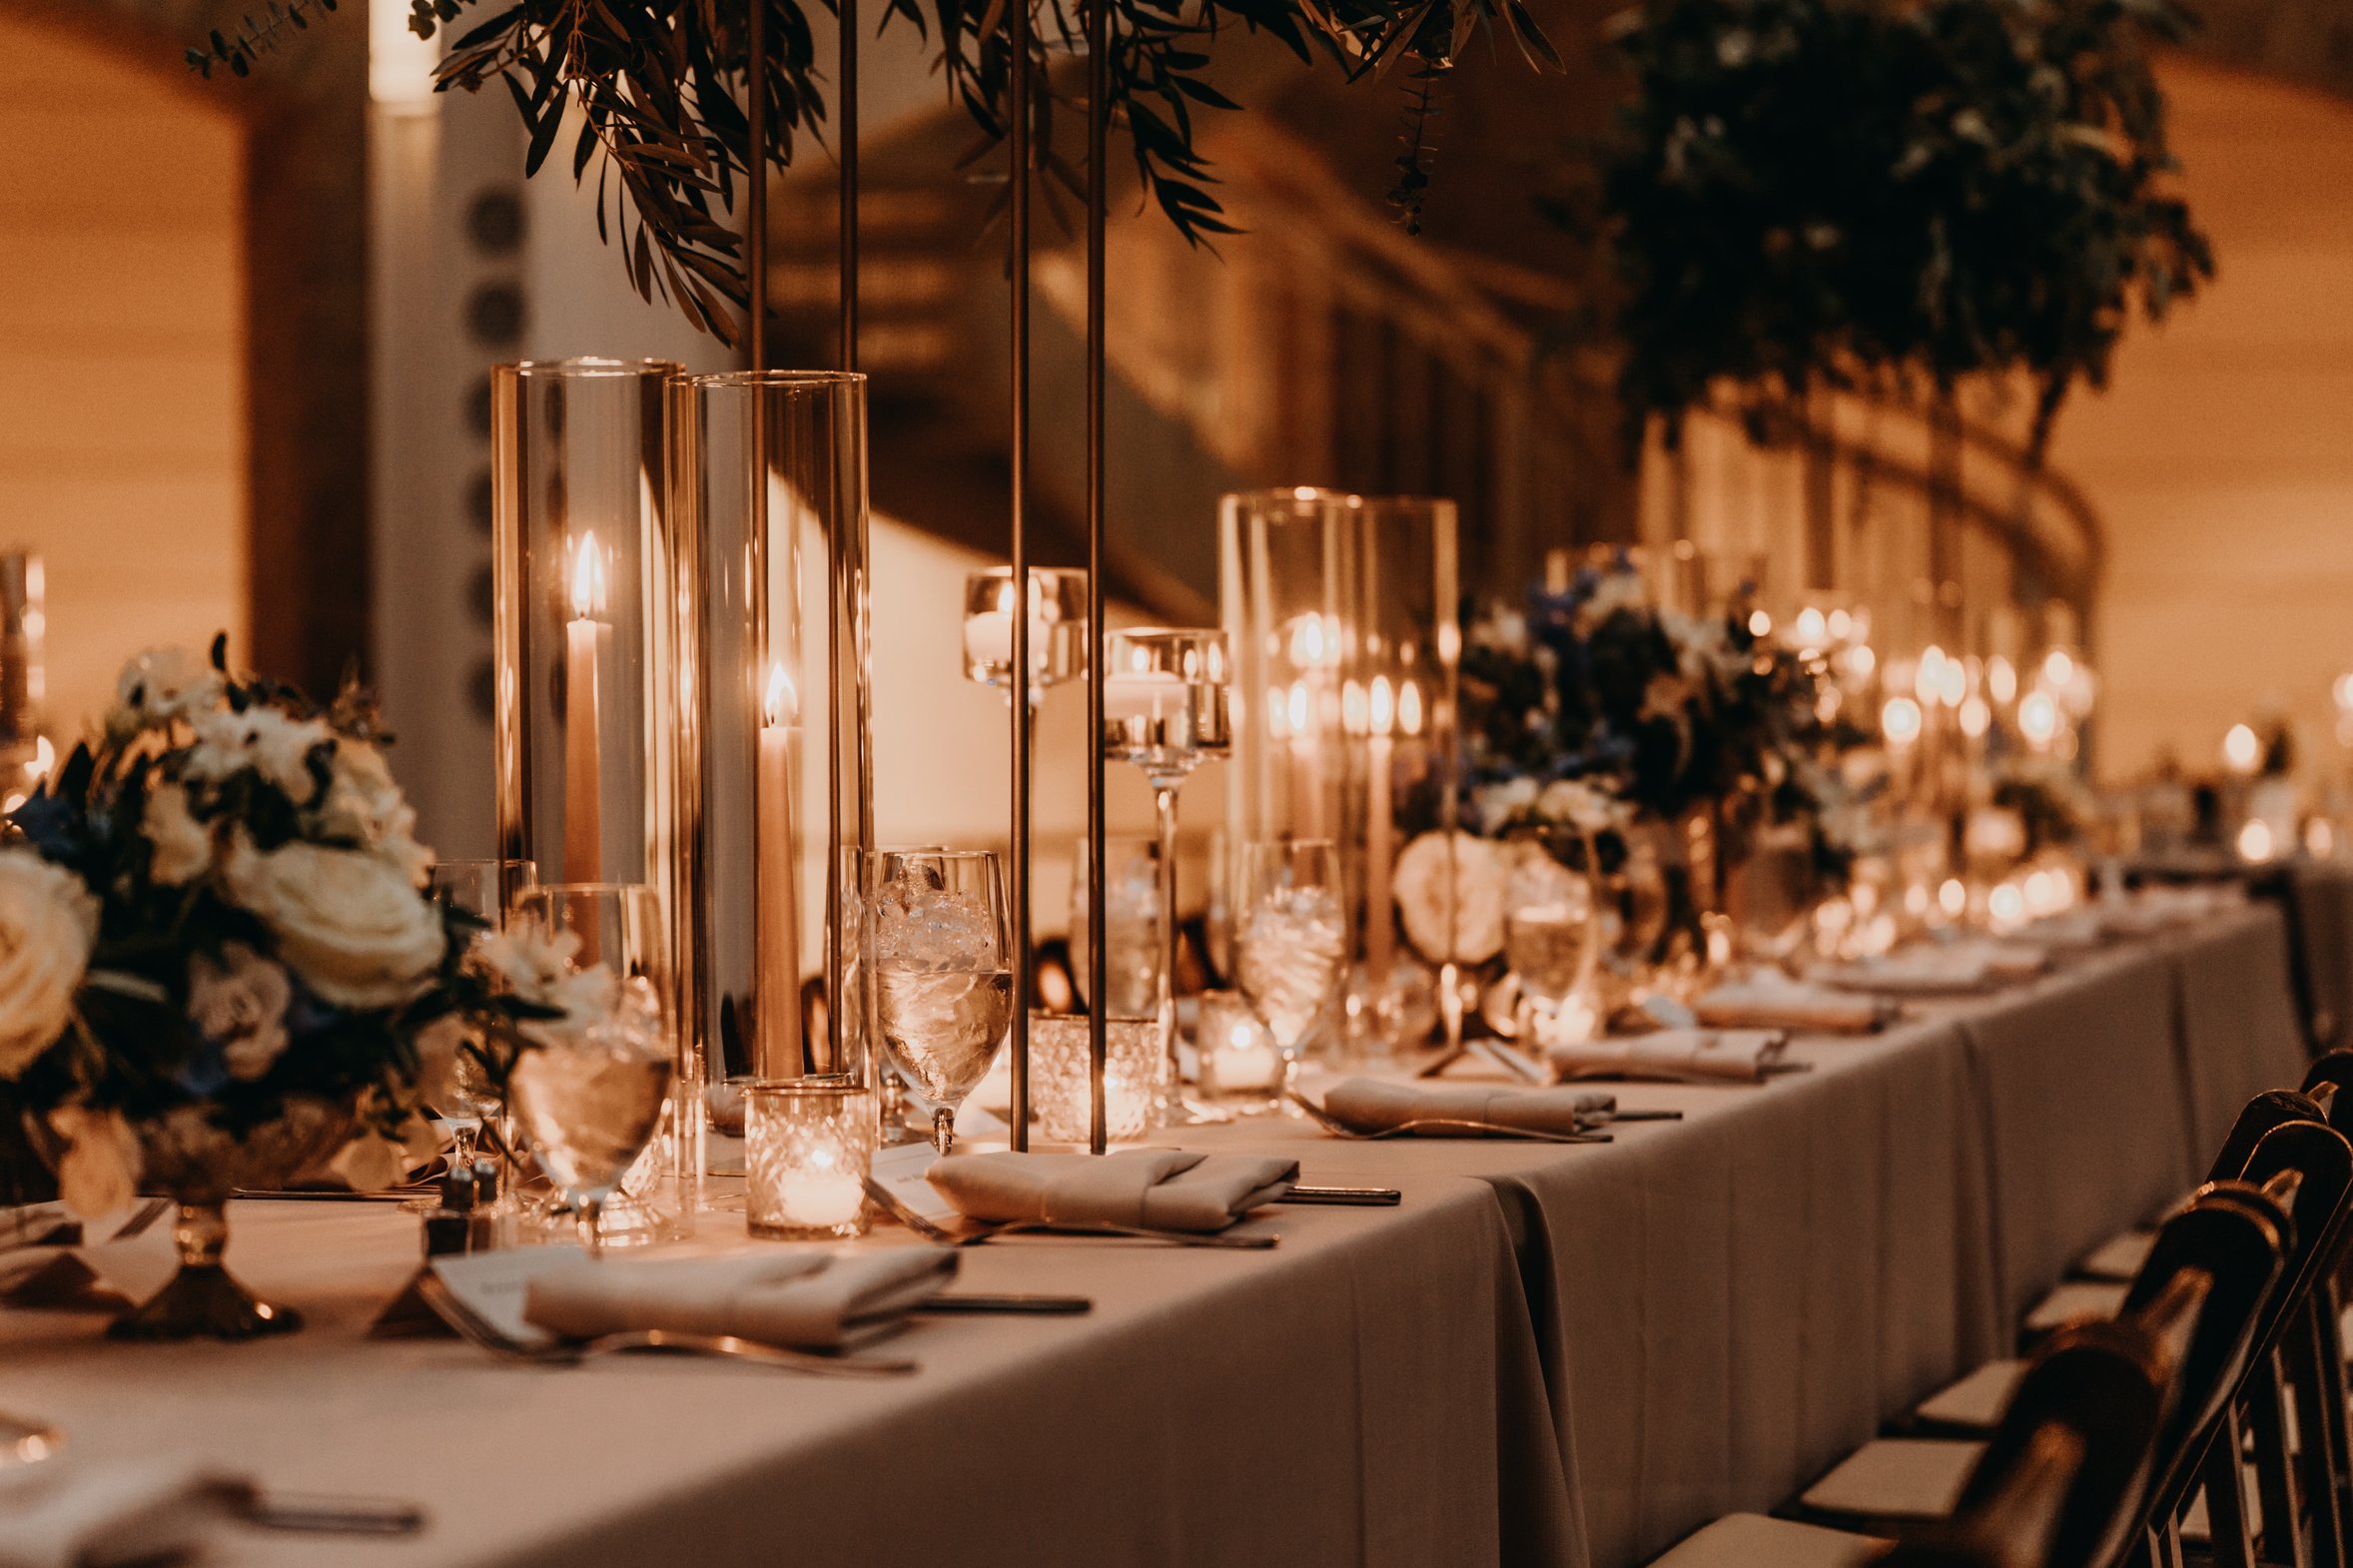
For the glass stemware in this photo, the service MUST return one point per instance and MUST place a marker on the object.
(476, 1089)
(1551, 940)
(1057, 628)
(1164, 711)
(937, 939)
(1291, 937)
(592, 1091)
(1132, 942)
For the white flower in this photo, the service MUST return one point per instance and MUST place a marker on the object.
(160, 686)
(365, 803)
(48, 922)
(182, 846)
(241, 1007)
(274, 745)
(535, 967)
(1473, 916)
(1613, 590)
(350, 924)
(1579, 805)
(98, 1172)
(370, 1164)
(1497, 804)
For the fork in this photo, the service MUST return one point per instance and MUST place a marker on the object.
(1324, 1120)
(931, 1230)
(479, 1331)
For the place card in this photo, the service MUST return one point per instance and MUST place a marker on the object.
(897, 1178)
(493, 1284)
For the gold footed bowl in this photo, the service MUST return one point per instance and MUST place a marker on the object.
(197, 1166)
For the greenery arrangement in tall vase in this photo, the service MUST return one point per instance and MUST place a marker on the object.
(661, 89)
(1888, 197)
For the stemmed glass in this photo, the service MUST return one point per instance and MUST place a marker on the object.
(936, 939)
(1290, 936)
(1057, 628)
(1163, 710)
(485, 889)
(1132, 944)
(1551, 935)
(591, 1087)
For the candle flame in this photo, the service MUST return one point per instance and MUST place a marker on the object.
(1004, 598)
(781, 704)
(1409, 708)
(587, 577)
(1383, 706)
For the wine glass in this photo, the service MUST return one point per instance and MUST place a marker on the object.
(591, 1087)
(1551, 935)
(936, 941)
(1132, 945)
(1164, 711)
(1292, 934)
(475, 1092)
(1057, 628)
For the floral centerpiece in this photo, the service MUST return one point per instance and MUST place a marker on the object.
(219, 966)
(1611, 729)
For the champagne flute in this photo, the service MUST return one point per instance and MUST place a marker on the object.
(936, 941)
(593, 1087)
(476, 1089)
(1551, 935)
(1164, 711)
(1291, 936)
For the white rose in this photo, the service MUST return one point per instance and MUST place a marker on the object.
(48, 922)
(1474, 915)
(536, 968)
(1579, 805)
(1499, 803)
(98, 1172)
(350, 924)
(160, 686)
(365, 803)
(183, 844)
(240, 1006)
(274, 746)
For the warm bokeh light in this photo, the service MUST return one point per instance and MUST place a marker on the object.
(2038, 719)
(2240, 752)
(1975, 717)
(1900, 721)
(2254, 841)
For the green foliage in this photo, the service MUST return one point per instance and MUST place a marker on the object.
(1869, 193)
(253, 37)
(661, 85)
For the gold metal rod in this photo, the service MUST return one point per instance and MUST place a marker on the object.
(1098, 965)
(1018, 37)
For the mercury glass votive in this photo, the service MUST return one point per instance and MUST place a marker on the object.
(1061, 1089)
(808, 1147)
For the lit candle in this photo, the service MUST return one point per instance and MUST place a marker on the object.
(1245, 1057)
(987, 634)
(1141, 694)
(776, 891)
(1307, 771)
(1381, 848)
(822, 1195)
(583, 797)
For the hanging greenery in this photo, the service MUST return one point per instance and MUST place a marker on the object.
(1892, 195)
(661, 85)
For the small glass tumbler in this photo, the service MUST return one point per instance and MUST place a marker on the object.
(1062, 1092)
(808, 1147)
(1243, 1067)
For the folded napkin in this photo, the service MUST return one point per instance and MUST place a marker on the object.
(1676, 1056)
(1774, 1001)
(1158, 1189)
(805, 1300)
(2074, 930)
(1372, 1105)
(68, 1512)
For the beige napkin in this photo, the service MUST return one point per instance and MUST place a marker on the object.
(1158, 1189)
(71, 1513)
(1774, 1001)
(1371, 1104)
(806, 1300)
(1676, 1056)
(2076, 930)
(1917, 972)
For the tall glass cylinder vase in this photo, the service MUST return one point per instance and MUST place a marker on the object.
(1342, 614)
(594, 731)
(772, 488)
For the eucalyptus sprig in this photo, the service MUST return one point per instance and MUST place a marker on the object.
(253, 37)
(660, 87)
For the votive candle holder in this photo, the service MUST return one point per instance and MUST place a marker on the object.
(808, 1150)
(1061, 1083)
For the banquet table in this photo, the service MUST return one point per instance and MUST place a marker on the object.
(1545, 1353)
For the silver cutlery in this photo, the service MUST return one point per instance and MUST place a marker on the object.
(479, 1331)
(311, 1513)
(1344, 1196)
(1425, 1125)
(960, 1302)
